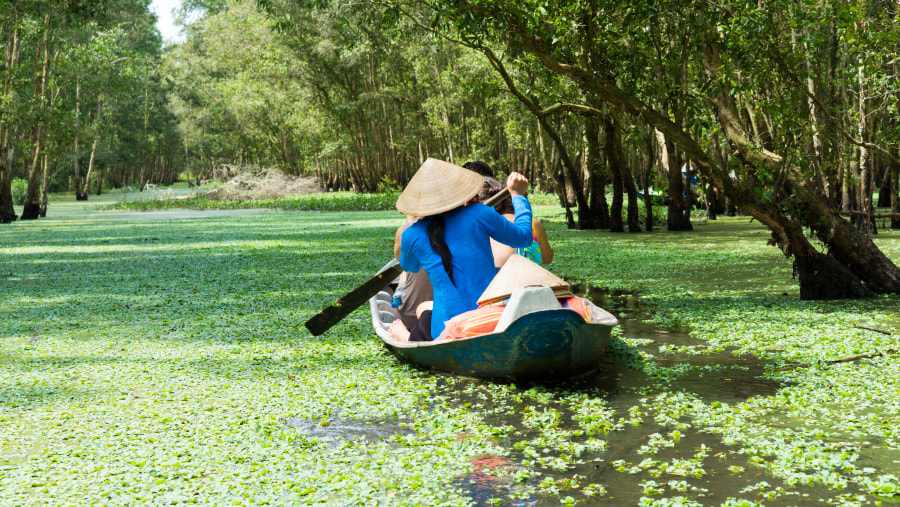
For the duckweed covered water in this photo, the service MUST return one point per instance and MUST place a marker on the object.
(162, 360)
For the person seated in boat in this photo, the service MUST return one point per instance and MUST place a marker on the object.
(413, 289)
(452, 240)
(539, 251)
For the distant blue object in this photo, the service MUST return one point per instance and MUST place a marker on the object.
(397, 298)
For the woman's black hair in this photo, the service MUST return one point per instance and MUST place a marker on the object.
(492, 187)
(480, 168)
(439, 245)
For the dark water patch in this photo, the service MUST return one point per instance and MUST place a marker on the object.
(333, 431)
(620, 301)
(646, 360)
(677, 362)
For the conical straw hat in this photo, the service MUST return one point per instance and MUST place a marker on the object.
(520, 272)
(437, 187)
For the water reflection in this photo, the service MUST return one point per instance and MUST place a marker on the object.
(335, 430)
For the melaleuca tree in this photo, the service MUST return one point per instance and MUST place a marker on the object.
(730, 73)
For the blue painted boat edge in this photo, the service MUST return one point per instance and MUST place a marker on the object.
(554, 343)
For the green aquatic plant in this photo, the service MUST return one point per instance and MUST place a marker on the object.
(165, 354)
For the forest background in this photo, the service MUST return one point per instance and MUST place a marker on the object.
(786, 110)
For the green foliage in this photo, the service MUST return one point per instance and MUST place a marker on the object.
(333, 201)
(19, 188)
(337, 201)
(182, 373)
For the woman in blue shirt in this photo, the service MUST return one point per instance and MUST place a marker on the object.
(451, 242)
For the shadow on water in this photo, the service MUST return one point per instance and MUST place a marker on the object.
(649, 360)
(710, 375)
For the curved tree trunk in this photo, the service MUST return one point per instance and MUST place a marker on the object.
(821, 276)
(837, 281)
(853, 249)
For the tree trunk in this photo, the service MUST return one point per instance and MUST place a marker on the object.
(620, 169)
(675, 218)
(585, 219)
(752, 156)
(32, 207)
(854, 250)
(46, 164)
(7, 211)
(598, 204)
(615, 209)
(867, 224)
(894, 170)
(821, 276)
(10, 61)
(77, 134)
(87, 177)
(645, 182)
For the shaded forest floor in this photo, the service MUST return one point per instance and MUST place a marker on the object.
(161, 357)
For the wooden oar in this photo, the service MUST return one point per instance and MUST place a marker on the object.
(335, 312)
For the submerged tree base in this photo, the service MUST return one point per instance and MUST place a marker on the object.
(822, 277)
(31, 212)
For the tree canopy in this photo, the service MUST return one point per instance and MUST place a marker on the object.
(785, 111)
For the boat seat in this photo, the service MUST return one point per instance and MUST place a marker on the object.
(524, 301)
(383, 306)
(383, 296)
(386, 318)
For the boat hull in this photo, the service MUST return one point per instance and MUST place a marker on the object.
(550, 344)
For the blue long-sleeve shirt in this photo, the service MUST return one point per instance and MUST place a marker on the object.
(467, 229)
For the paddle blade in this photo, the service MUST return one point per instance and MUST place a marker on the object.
(335, 312)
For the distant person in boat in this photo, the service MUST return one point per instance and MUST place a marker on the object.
(539, 251)
(452, 240)
(413, 288)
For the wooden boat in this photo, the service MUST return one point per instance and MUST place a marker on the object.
(548, 344)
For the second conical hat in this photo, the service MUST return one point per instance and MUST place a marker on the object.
(520, 272)
(437, 187)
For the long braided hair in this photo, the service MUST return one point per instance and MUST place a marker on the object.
(437, 225)
(439, 244)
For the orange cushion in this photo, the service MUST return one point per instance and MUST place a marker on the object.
(577, 304)
(484, 320)
(473, 323)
